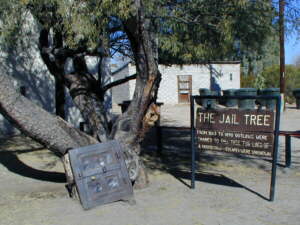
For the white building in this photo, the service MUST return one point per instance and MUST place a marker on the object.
(180, 81)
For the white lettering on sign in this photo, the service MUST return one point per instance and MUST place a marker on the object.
(206, 117)
(257, 120)
(229, 119)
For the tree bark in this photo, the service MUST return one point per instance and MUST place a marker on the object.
(51, 131)
(87, 94)
(60, 98)
(82, 86)
(282, 51)
(134, 123)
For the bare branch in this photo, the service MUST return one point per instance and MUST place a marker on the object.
(119, 82)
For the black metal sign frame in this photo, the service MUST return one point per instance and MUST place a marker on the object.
(276, 134)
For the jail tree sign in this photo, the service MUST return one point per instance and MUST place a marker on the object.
(242, 131)
(248, 132)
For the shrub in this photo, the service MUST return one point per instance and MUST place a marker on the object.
(247, 81)
(292, 79)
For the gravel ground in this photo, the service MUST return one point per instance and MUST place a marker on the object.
(230, 190)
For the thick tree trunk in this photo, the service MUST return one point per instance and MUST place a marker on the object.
(51, 131)
(87, 94)
(134, 123)
(82, 85)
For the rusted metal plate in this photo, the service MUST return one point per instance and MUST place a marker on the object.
(248, 132)
(235, 120)
(100, 174)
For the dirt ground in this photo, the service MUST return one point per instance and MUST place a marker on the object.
(230, 189)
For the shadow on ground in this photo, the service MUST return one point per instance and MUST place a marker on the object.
(9, 158)
(174, 158)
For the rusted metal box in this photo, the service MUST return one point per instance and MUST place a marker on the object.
(100, 174)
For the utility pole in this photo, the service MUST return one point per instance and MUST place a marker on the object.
(282, 55)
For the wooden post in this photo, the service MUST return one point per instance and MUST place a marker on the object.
(282, 55)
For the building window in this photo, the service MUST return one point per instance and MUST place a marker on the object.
(230, 75)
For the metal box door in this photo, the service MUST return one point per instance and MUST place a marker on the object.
(100, 174)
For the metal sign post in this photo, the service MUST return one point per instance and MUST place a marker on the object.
(192, 142)
(275, 155)
(241, 131)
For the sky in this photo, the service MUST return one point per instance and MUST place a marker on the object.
(292, 49)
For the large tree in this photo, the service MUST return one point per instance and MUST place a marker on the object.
(186, 31)
(73, 30)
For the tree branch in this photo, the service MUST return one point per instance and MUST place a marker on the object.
(118, 82)
(51, 131)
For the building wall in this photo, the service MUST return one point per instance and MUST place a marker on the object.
(213, 76)
(168, 90)
(121, 92)
(25, 66)
(132, 70)
(226, 76)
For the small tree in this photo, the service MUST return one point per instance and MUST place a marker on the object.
(292, 79)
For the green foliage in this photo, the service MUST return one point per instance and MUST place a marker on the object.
(247, 81)
(269, 78)
(85, 22)
(255, 63)
(188, 31)
(82, 23)
(12, 15)
(259, 82)
(292, 79)
(214, 30)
